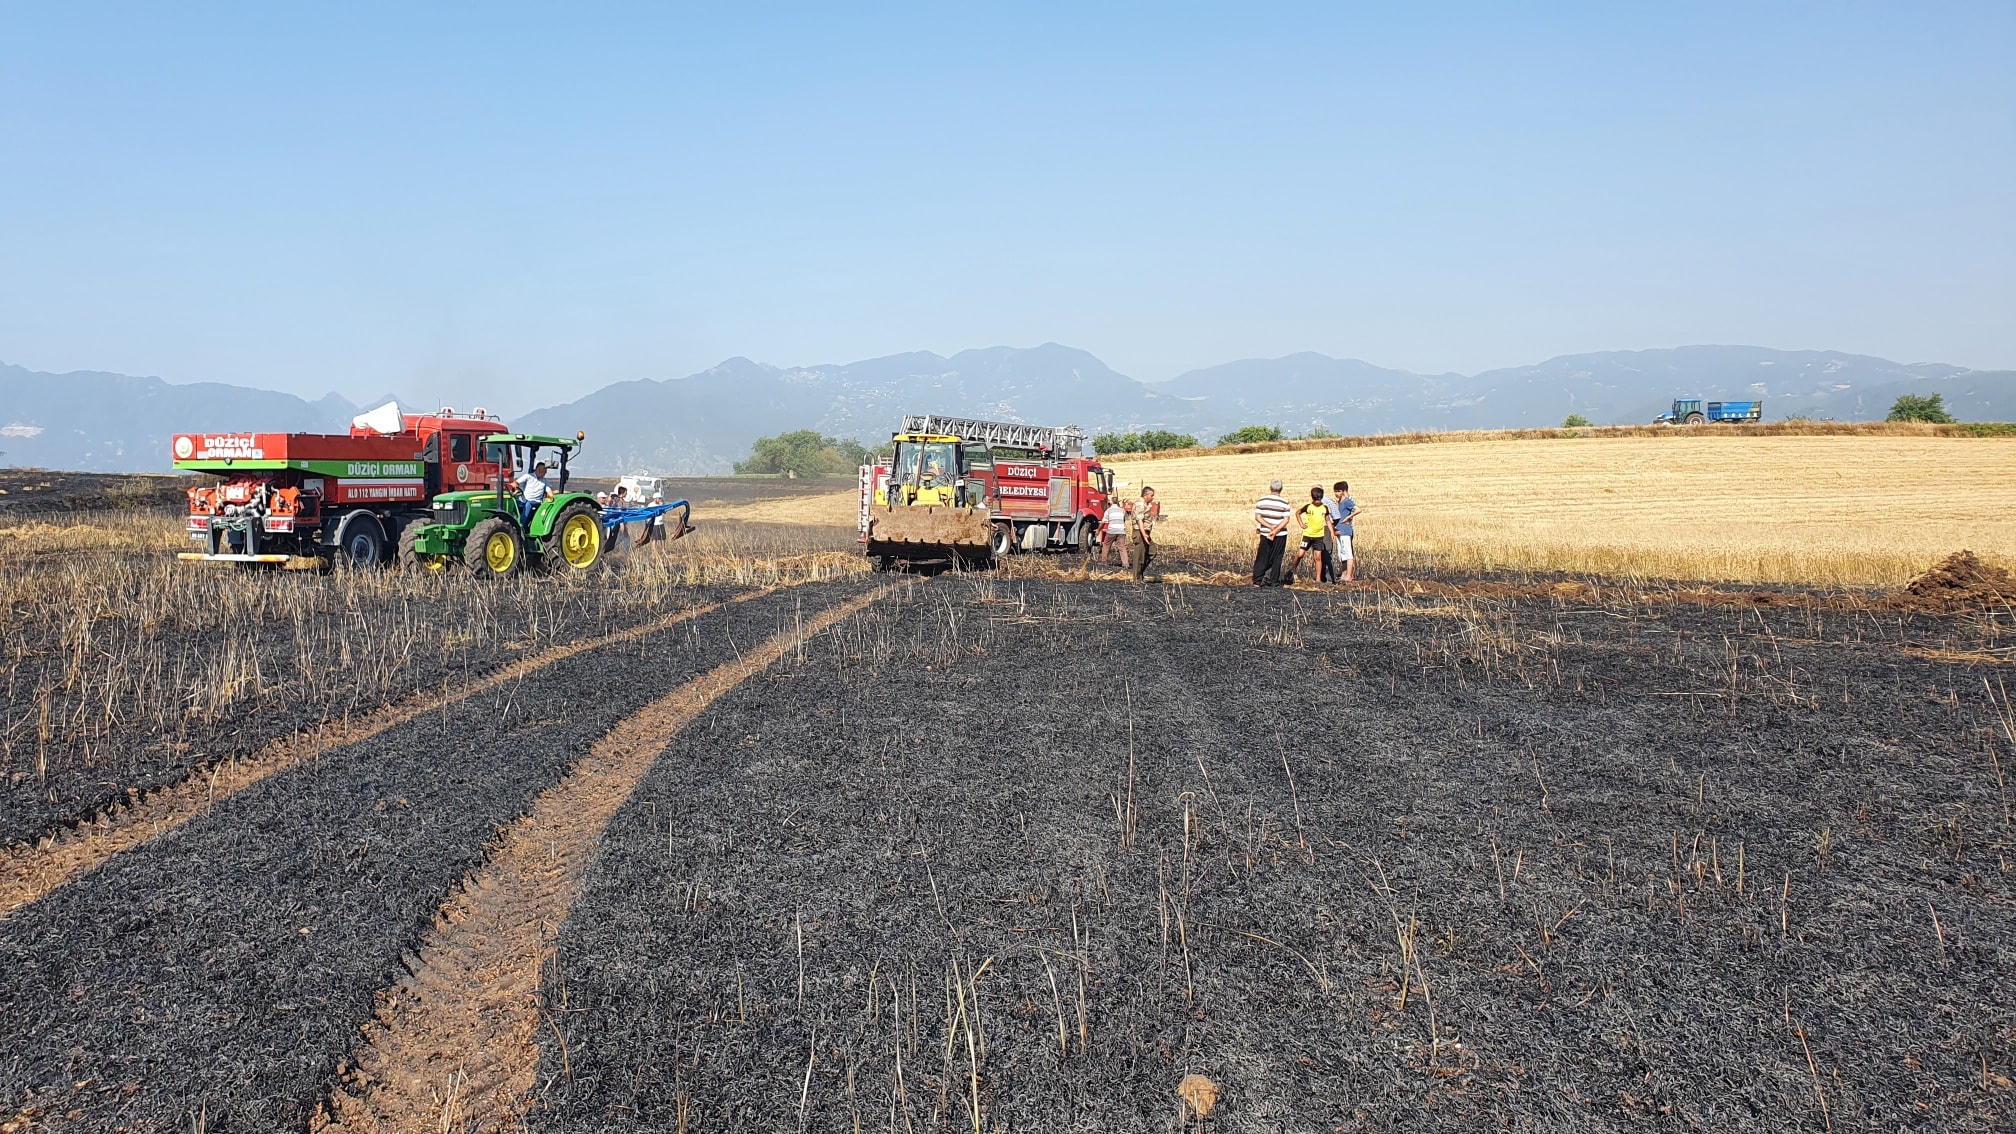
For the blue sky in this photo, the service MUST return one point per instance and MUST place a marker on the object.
(525, 203)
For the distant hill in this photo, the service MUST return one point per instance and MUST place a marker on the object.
(702, 423)
(91, 421)
(1302, 391)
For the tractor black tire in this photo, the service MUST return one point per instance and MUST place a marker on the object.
(1695, 419)
(360, 542)
(559, 556)
(1001, 541)
(494, 549)
(411, 560)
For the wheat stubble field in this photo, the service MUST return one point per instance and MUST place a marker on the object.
(1822, 510)
(740, 836)
(1856, 510)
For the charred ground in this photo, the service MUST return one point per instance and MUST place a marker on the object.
(1435, 852)
(1367, 863)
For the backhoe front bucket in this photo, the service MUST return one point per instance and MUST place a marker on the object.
(927, 532)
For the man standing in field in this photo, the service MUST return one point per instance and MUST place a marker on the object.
(1270, 520)
(1342, 509)
(1141, 541)
(1315, 527)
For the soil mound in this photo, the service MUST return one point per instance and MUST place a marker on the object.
(1961, 583)
(1199, 1094)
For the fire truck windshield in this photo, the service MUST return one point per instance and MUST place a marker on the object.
(939, 461)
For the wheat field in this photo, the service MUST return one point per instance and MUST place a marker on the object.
(1827, 510)
(1830, 510)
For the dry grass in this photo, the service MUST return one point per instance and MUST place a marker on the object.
(827, 509)
(1872, 508)
(103, 631)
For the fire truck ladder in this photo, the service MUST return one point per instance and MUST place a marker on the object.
(1058, 440)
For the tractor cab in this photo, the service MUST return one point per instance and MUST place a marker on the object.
(519, 452)
(1685, 411)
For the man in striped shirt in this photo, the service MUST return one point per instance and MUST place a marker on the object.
(1270, 521)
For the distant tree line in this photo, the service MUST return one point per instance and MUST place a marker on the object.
(807, 453)
(1150, 440)
(804, 453)
(1255, 434)
(1145, 442)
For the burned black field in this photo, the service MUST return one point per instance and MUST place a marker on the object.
(992, 853)
(1023, 856)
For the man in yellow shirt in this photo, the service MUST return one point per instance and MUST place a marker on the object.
(1316, 531)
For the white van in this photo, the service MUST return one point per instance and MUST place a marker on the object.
(639, 486)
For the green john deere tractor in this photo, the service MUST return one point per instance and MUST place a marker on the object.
(495, 533)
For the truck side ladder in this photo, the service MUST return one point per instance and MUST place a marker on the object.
(1058, 440)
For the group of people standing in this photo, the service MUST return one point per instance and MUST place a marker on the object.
(1130, 526)
(1324, 525)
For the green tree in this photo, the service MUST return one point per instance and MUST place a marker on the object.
(1109, 443)
(1154, 439)
(1320, 432)
(1921, 407)
(803, 453)
(1251, 434)
(1574, 421)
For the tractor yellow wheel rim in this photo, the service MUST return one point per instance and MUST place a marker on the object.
(499, 552)
(580, 541)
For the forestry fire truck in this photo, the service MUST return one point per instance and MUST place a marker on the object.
(973, 491)
(341, 498)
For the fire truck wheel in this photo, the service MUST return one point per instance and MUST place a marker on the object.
(412, 559)
(1003, 540)
(493, 549)
(1087, 538)
(360, 541)
(576, 542)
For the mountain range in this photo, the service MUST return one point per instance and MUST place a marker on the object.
(94, 421)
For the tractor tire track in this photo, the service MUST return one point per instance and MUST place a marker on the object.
(454, 1044)
(34, 870)
(214, 977)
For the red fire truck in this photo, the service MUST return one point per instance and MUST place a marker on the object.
(342, 498)
(1034, 486)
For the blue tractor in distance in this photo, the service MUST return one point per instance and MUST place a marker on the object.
(1690, 411)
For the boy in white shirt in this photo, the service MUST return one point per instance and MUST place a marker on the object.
(1113, 531)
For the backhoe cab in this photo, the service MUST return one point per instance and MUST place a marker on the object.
(495, 532)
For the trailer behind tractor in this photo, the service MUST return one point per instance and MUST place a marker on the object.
(1691, 411)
